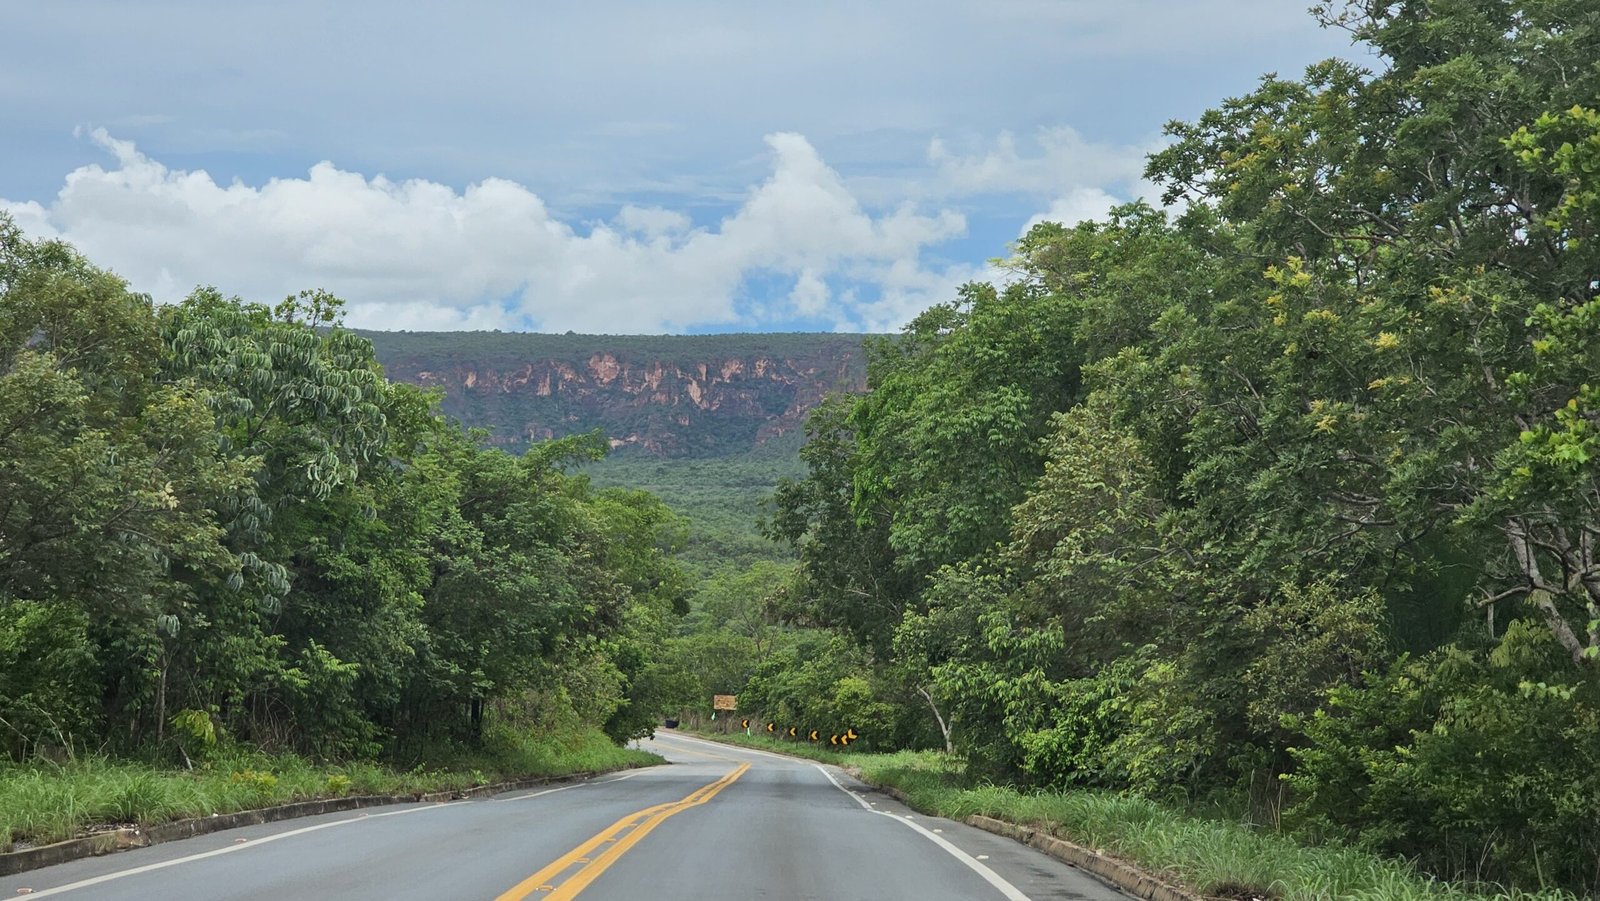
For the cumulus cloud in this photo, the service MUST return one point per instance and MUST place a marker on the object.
(422, 255)
(1079, 205)
(1083, 179)
(652, 221)
(909, 289)
(810, 295)
(1061, 159)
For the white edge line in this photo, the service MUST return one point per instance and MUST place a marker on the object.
(628, 775)
(1011, 892)
(256, 843)
(550, 791)
(253, 843)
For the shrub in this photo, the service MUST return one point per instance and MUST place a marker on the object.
(1479, 766)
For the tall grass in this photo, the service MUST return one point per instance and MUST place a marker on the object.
(1210, 856)
(43, 801)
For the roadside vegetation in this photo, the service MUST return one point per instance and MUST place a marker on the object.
(225, 537)
(42, 801)
(1216, 857)
(1279, 504)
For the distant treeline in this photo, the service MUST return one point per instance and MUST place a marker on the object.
(498, 348)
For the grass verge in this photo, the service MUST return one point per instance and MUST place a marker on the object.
(43, 802)
(1217, 859)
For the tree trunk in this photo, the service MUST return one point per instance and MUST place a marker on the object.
(161, 702)
(1543, 591)
(944, 728)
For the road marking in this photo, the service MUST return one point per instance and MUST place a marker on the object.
(621, 836)
(705, 754)
(256, 843)
(740, 748)
(1011, 892)
(550, 791)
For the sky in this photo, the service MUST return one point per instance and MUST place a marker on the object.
(606, 167)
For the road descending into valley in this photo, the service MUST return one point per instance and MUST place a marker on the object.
(720, 823)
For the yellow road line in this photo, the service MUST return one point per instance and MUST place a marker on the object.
(722, 757)
(636, 825)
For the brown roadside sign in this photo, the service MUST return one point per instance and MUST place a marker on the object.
(724, 702)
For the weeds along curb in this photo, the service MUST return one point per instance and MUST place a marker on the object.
(111, 841)
(1130, 879)
(1122, 876)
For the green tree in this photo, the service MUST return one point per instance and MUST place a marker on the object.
(1423, 294)
(108, 481)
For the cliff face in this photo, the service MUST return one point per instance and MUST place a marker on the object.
(669, 396)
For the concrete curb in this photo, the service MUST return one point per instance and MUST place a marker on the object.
(1128, 878)
(112, 841)
(1122, 876)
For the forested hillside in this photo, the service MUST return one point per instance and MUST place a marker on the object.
(1286, 500)
(708, 423)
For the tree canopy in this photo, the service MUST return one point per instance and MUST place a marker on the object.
(1198, 500)
(218, 521)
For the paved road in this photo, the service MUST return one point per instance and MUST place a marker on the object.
(719, 823)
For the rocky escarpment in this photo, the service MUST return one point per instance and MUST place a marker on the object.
(708, 395)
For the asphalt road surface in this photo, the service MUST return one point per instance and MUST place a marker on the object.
(719, 823)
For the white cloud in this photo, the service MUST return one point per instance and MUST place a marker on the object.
(1063, 160)
(422, 255)
(652, 221)
(31, 217)
(1084, 179)
(591, 106)
(1079, 205)
(908, 290)
(810, 295)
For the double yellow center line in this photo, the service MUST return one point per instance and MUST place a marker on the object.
(621, 835)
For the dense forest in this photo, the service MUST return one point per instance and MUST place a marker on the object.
(1284, 499)
(721, 499)
(220, 524)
